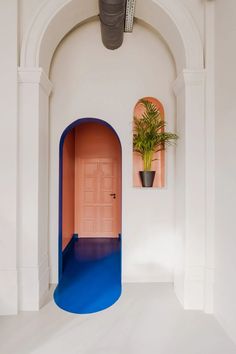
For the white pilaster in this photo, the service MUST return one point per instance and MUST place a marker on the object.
(34, 91)
(190, 192)
(210, 151)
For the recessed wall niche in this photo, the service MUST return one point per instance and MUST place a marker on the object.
(158, 163)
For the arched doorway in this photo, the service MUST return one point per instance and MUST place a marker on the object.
(89, 217)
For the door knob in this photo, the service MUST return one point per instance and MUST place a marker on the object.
(113, 195)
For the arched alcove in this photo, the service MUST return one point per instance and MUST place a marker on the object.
(158, 163)
(55, 19)
(52, 22)
(98, 87)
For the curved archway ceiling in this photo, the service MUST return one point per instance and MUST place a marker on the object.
(116, 16)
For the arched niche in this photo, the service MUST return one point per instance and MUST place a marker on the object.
(158, 164)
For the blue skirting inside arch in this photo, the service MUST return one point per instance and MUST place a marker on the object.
(91, 276)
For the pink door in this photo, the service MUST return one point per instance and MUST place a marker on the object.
(98, 199)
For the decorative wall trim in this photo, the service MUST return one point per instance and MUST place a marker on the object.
(209, 289)
(188, 77)
(54, 11)
(28, 289)
(188, 31)
(43, 280)
(49, 13)
(189, 88)
(33, 285)
(34, 90)
(35, 76)
(175, 24)
(194, 288)
(195, 273)
(35, 31)
(146, 277)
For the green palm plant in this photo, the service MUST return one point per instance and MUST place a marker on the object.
(149, 136)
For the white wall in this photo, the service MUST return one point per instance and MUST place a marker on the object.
(225, 243)
(8, 157)
(91, 81)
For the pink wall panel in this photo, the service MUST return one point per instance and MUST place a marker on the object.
(159, 164)
(68, 186)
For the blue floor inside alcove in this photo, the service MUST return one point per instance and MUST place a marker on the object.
(91, 278)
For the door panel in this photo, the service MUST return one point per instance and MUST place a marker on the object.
(98, 181)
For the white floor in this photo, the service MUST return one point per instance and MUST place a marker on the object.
(146, 320)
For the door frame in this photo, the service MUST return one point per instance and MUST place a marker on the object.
(61, 144)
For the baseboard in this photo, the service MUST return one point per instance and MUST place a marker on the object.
(101, 236)
(147, 277)
(33, 285)
(179, 290)
(194, 292)
(146, 273)
(43, 281)
(209, 290)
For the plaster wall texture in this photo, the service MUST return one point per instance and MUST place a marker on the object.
(91, 81)
(8, 157)
(225, 230)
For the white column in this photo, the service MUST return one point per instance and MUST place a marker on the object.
(190, 189)
(34, 91)
(8, 157)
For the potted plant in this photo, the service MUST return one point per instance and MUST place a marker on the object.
(149, 137)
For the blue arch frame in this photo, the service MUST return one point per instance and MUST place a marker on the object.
(61, 144)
